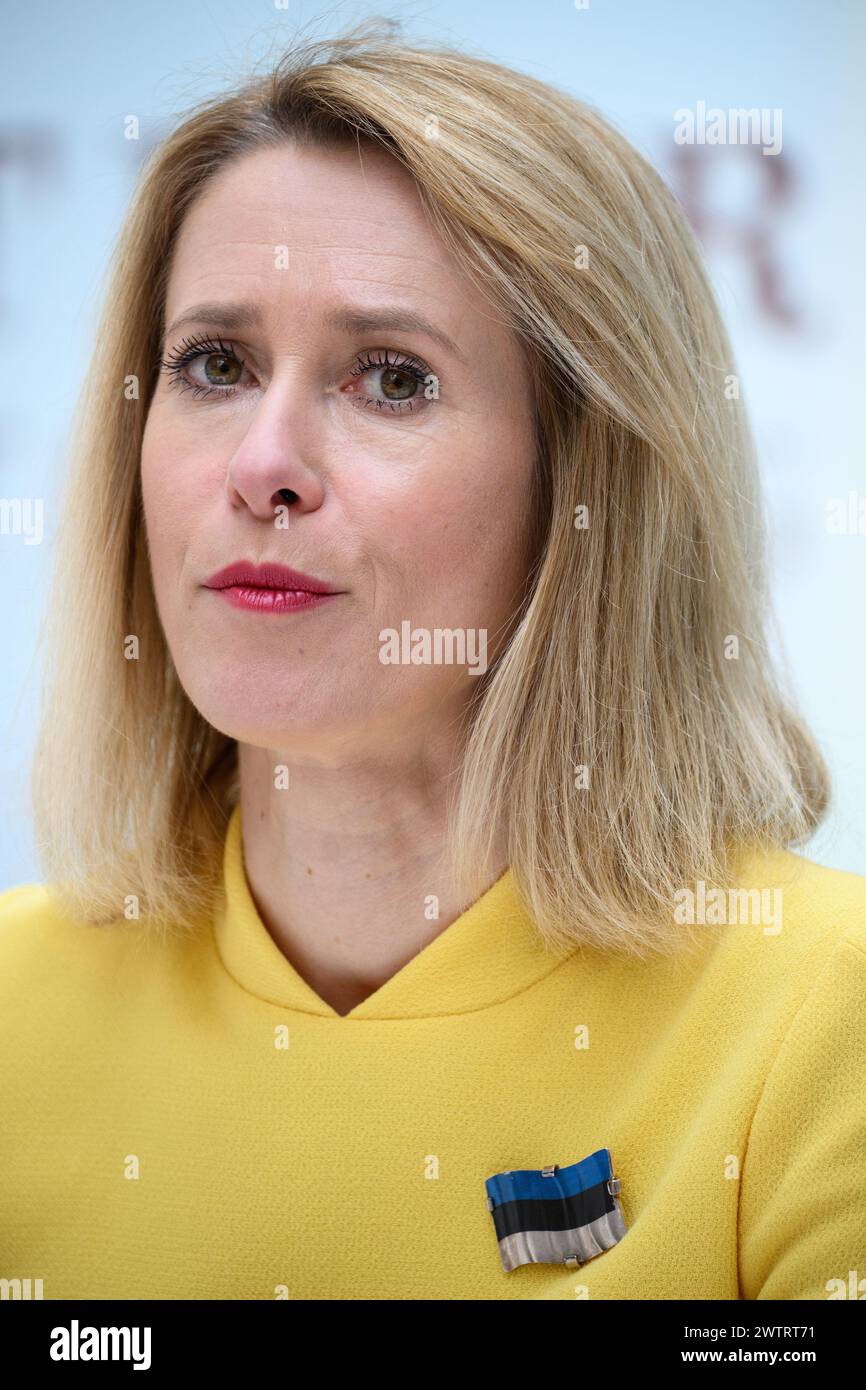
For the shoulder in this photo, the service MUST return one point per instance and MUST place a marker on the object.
(42, 949)
(782, 924)
(825, 910)
(803, 1199)
(28, 915)
(807, 907)
(56, 968)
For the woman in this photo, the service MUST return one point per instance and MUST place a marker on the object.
(421, 922)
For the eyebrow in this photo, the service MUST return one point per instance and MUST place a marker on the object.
(394, 318)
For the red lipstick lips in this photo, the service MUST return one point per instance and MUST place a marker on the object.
(269, 588)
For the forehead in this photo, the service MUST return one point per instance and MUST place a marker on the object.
(333, 213)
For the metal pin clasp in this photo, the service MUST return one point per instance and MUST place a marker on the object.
(550, 1171)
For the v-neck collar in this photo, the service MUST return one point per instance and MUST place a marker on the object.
(487, 954)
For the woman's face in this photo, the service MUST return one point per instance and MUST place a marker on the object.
(408, 493)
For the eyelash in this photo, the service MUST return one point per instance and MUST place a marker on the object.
(192, 348)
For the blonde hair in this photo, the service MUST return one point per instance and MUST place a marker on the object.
(618, 660)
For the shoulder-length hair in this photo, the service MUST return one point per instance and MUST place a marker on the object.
(632, 732)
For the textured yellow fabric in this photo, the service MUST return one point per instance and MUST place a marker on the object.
(159, 1140)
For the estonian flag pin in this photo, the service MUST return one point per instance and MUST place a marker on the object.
(556, 1215)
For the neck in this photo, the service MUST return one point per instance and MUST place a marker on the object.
(343, 861)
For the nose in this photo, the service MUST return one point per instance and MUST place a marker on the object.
(276, 464)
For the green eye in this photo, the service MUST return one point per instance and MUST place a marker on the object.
(401, 380)
(223, 369)
(222, 366)
(402, 384)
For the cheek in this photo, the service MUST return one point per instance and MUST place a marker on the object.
(173, 476)
(171, 503)
(455, 551)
